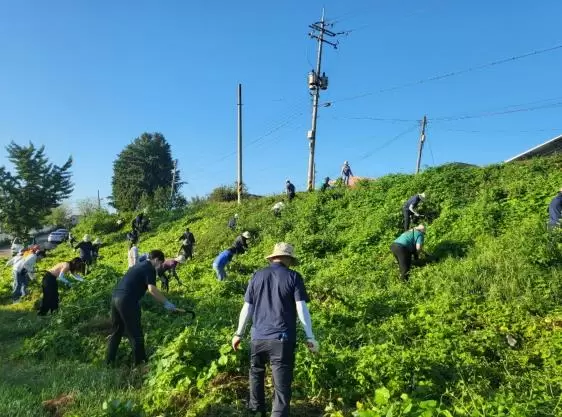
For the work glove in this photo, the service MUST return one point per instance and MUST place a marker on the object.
(312, 345)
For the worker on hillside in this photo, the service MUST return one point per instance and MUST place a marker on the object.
(220, 262)
(126, 310)
(86, 249)
(275, 296)
(168, 270)
(188, 242)
(23, 270)
(136, 224)
(408, 244)
(132, 254)
(555, 211)
(346, 173)
(96, 249)
(290, 190)
(71, 239)
(277, 207)
(232, 222)
(326, 184)
(241, 243)
(50, 286)
(409, 209)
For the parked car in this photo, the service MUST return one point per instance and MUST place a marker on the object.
(58, 236)
(16, 246)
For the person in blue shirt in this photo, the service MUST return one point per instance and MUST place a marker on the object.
(275, 297)
(408, 244)
(409, 209)
(555, 211)
(220, 262)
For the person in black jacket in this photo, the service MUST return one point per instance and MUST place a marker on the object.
(290, 190)
(86, 253)
(241, 243)
(409, 209)
(555, 211)
(188, 242)
(126, 309)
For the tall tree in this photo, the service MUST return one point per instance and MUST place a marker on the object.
(141, 168)
(37, 186)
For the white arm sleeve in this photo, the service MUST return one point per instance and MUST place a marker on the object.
(304, 317)
(245, 313)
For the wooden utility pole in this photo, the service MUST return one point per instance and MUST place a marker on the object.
(422, 140)
(240, 184)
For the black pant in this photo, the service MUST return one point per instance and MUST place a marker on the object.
(50, 300)
(126, 318)
(404, 258)
(187, 251)
(281, 356)
(407, 217)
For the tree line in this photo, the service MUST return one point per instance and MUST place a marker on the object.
(32, 193)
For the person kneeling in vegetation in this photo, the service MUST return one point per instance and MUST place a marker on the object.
(50, 286)
(274, 298)
(125, 306)
(169, 269)
(408, 243)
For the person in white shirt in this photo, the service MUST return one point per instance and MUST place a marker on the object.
(23, 270)
(133, 255)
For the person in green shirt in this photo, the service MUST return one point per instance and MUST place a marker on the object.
(408, 243)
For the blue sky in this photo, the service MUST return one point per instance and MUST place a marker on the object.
(86, 78)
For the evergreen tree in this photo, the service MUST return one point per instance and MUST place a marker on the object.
(140, 169)
(37, 186)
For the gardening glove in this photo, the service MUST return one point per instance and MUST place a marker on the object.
(312, 345)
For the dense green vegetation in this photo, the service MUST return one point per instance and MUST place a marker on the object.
(437, 345)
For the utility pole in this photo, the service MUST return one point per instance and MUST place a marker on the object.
(317, 82)
(422, 140)
(99, 200)
(239, 184)
(174, 169)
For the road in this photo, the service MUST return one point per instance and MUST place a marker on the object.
(6, 252)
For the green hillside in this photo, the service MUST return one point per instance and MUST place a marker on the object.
(436, 345)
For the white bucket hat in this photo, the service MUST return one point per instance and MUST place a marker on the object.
(283, 249)
(422, 195)
(247, 235)
(86, 238)
(180, 259)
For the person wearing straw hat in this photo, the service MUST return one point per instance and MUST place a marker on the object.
(241, 243)
(408, 243)
(275, 297)
(85, 248)
(409, 209)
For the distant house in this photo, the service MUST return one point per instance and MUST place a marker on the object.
(550, 147)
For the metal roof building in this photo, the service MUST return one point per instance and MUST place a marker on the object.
(549, 147)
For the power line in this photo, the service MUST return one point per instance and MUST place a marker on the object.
(385, 144)
(497, 113)
(498, 131)
(452, 73)
(376, 119)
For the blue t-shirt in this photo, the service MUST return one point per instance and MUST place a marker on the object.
(413, 201)
(555, 209)
(410, 239)
(224, 258)
(273, 292)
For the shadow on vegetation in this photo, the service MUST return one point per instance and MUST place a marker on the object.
(446, 249)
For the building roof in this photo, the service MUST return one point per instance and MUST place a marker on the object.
(549, 147)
